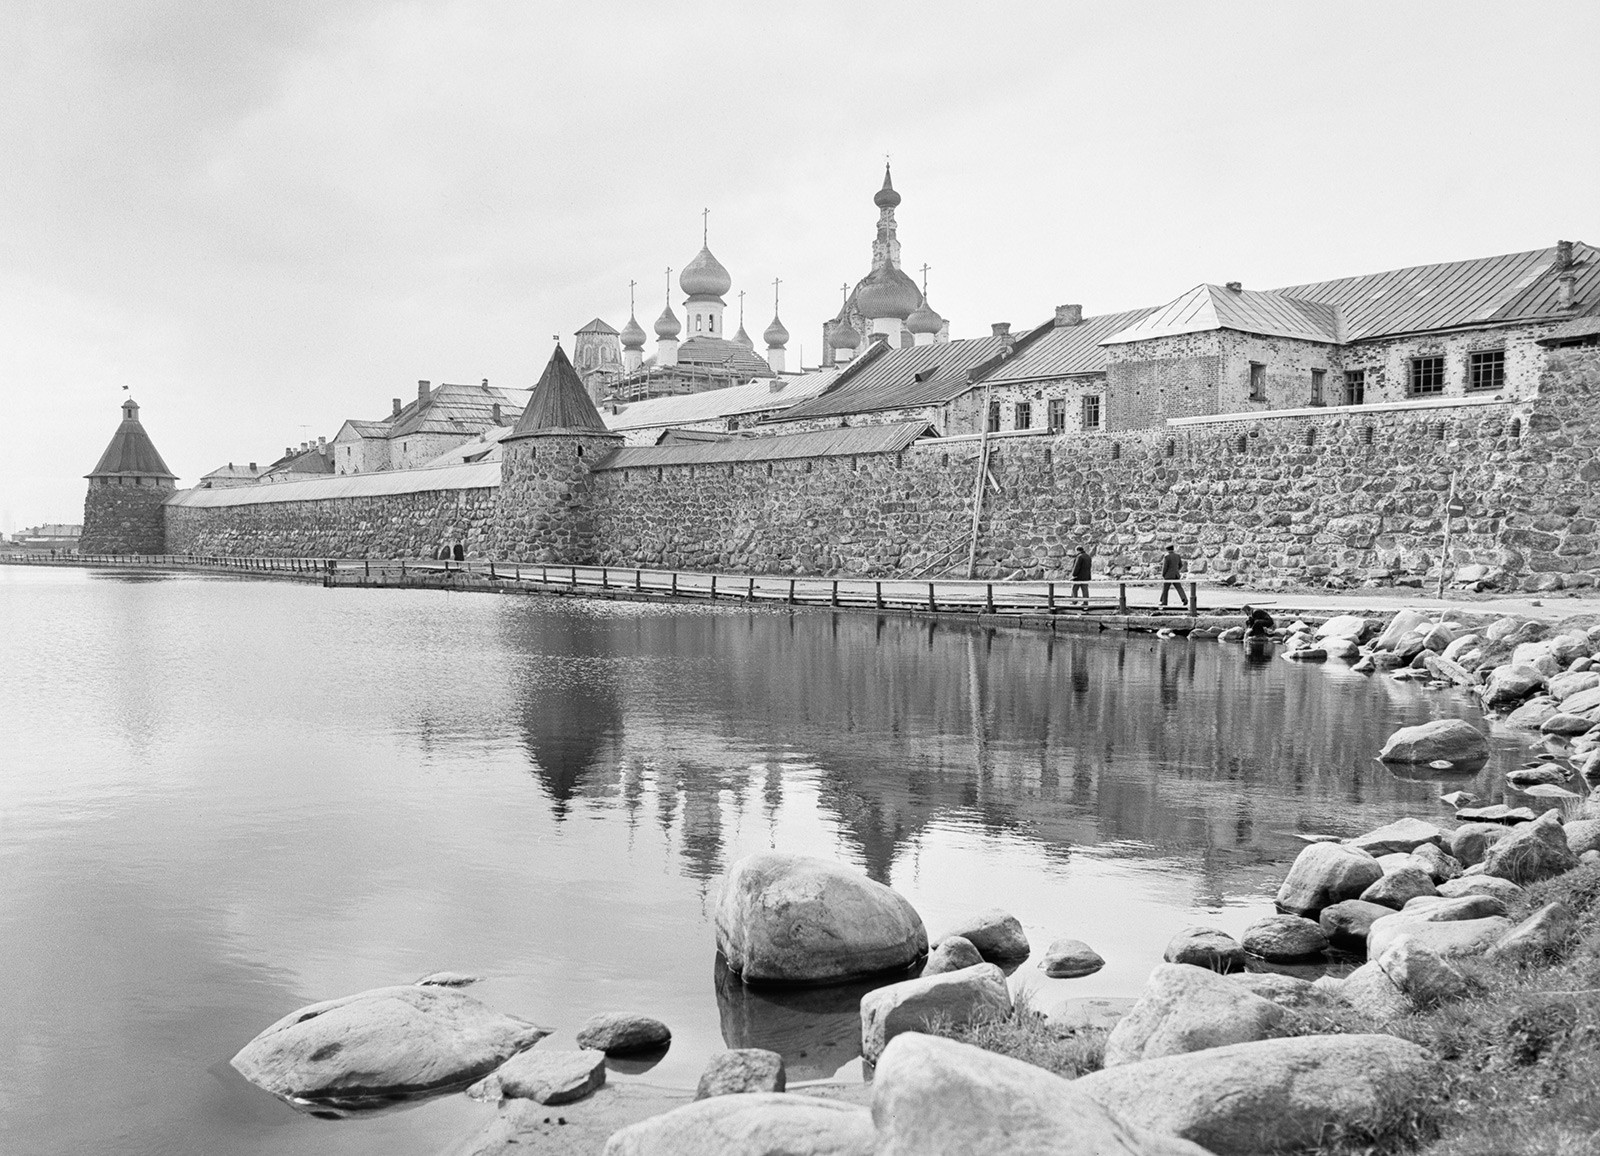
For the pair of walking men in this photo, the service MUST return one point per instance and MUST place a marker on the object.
(1172, 566)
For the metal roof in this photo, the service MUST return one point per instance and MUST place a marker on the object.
(365, 429)
(719, 352)
(1208, 307)
(483, 448)
(130, 451)
(1067, 349)
(477, 475)
(711, 404)
(843, 442)
(453, 409)
(598, 326)
(1578, 327)
(560, 404)
(900, 379)
(1513, 287)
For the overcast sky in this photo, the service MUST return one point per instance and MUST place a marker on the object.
(266, 217)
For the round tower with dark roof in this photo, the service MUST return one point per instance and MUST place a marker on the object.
(123, 512)
(544, 512)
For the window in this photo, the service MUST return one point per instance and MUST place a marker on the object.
(994, 416)
(1427, 376)
(1022, 415)
(1057, 414)
(1318, 378)
(1091, 411)
(1486, 369)
(1355, 387)
(1258, 381)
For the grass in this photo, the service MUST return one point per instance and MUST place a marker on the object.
(1519, 1056)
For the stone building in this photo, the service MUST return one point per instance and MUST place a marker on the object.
(730, 410)
(312, 460)
(414, 434)
(122, 513)
(230, 475)
(597, 356)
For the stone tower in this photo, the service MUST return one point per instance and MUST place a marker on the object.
(123, 511)
(597, 356)
(543, 513)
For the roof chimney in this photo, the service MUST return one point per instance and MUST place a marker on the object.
(879, 339)
(1002, 330)
(1235, 286)
(322, 443)
(485, 385)
(1563, 254)
(1068, 315)
(396, 408)
(288, 451)
(252, 467)
(494, 413)
(422, 392)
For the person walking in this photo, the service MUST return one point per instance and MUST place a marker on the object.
(1171, 571)
(1082, 571)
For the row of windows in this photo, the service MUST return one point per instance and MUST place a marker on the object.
(1055, 414)
(1486, 371)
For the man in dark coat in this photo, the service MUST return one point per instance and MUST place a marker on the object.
(1171, 571)
(1082, 571)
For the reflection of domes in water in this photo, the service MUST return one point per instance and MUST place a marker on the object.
(886, 197)
(704, 276)
(632, 334)
(887, 292)
(667, 324)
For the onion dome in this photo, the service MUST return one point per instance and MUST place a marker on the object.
(887, 292)
(776, 335)
(886, 197)
(667, 324)
(704, 276)
(743, 338)
(632, 334)
(843, 335)
(924, 320)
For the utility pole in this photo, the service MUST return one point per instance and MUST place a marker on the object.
(979, 485)
(1453, 506)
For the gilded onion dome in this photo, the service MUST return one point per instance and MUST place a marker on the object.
(776, 335)
(704, 276)
(886, 197)
(887, 292)
(924, 320)
(667, 324)
(632, 334)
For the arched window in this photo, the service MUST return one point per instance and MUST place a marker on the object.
(1243, 443)
(1311, 437)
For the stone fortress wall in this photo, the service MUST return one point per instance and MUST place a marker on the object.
(1349, 493)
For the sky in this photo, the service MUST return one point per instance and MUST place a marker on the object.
(265, 218)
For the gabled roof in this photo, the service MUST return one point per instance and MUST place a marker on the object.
(1208, 307)
(453, 409)
(915, 375)
(823, 443)
(131, 452)
(231, 471)
(316, 459)
(719, 352)
(711, 404)
(483, 448)
(364, 429)
(1066, 350)
(560, 404)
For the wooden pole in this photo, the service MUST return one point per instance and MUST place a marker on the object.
(978, 485)
(1122, 598)
(1449, 520)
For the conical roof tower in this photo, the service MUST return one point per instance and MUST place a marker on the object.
(560, 405)
(131, 452)
(124, 511)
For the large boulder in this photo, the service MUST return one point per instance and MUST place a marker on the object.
(1070, 959)
(1346, 626)
(1470, 842)
(1325, 873)
(1422, 974)
(1283, 1095)
(957, 998)
(795, 919)
(1400, 886)
(1441, 909)
(936, 1097)
(1583, 702)
(1284, 990)
(1185, 1009)
(952, 953)
(1401, 835)
(1583, 835)
(1541, 933)
(1566, 725)
(548, 1077)
(1531, 715)
(1346, 924)
(754, 1125)
(1404, 622)
(1439, 865)
(741, 1071)
(997, 935)
(1206, 947)
(1501, 889)
(1451, 740)
(1533, 851)
(1285, 938)
(1564, 686)
(1509, 685)
(380, 1045)
(1449, 939)
(620, 1033)
(1371, 992)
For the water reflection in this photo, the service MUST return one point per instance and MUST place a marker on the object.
(817, 1030)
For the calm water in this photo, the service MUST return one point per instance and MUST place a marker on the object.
(221, 800)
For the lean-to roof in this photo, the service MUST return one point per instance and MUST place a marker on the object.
(846, 441)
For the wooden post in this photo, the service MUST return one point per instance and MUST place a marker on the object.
(572, 577)
(988, 597)
(1122, 598)
(980, 485)
(605, 578)
(491, 568)
(877, 594)
(791, 592)
(1050, 598)
(638, 579)
(750, 590)
(834, 601)
(674, 583)
(713, 588)
(933, 606)
(1194, 598)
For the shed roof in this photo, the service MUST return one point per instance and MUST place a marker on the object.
(844, 442)
(559, 404)
(1066, 350)
(130, 451)
(914, 375)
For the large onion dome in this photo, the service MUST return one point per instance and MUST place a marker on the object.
(704, 276)
(886, 197)
(887, 292)
(632, 334)
(924, 320)
(667, 324)
(843, 335)
(776, 335)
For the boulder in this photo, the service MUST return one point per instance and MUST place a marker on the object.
(447, 979)
(952, 953)
(1401, 835)
(1351, 627)
(1371, 992)
(1583, 835)
(1185, 1009)
(618, 1033)
(1439, 909)
(971, 995)
(1459, 646)
(753, 1125)
(1564, 686)
(1070, 959)
(1501, 889)
(1439, 866)
(1533, 851)
(1441, 636)
(1267, 1096)
(379, 1045)
(1284, 990)
(1451, 740)
(1346, 924)
(1533, 653)
(1232, 634)
(1531, 715)
(1446, 671)
(1342, 649)
(1470, 842)
(1542, 933)
(1461, 937)
(741, 1071)
(996, 934)
(1403, 623)
(1421, 974)
(1399, 887)
(795, 919)
(549, 1077)
(1285, 938)
(1509, 685)
(1325, 873)
(1562, 723)
(936, 1097)
(1547, 774)
(1583, 702)
(1206, 947)
(1496, 813)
